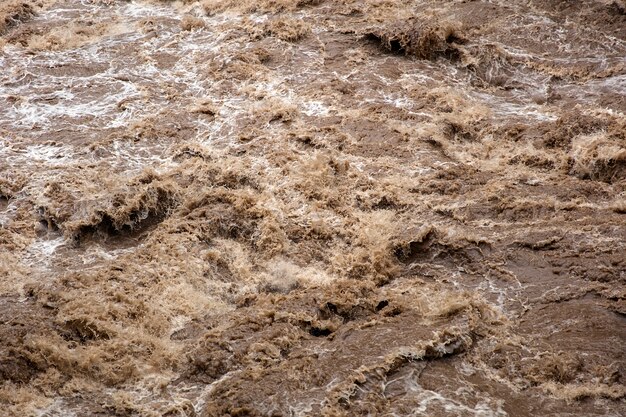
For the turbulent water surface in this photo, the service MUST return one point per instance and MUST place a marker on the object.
(313, 208)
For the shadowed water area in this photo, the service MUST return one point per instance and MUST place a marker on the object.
(313, 208)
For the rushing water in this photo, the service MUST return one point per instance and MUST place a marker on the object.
(338, 208)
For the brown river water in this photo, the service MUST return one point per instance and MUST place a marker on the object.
(313, 208)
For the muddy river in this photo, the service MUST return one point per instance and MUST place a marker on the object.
(313, 208)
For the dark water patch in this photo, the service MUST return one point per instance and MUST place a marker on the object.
(21, 321)
(424, 41)
(14, 12)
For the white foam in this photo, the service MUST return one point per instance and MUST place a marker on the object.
(39, 253)
(315, 108)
